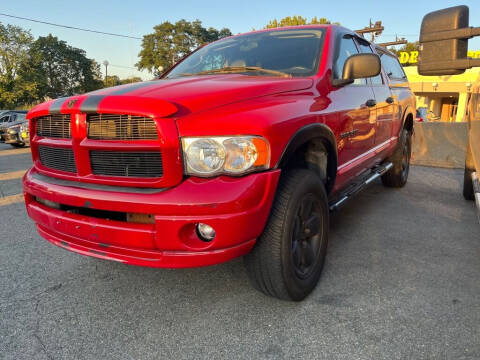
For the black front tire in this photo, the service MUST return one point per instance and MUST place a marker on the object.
(468, 185)
(288, 258)
(397, 176)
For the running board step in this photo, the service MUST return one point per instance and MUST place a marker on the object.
(351, 191)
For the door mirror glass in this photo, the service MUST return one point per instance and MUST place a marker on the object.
(359, 66)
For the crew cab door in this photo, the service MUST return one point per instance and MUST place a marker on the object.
(356, 113)
(399, 87)
(385, 102)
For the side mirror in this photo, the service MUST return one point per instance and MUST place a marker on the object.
(359, 66)
(444, 38)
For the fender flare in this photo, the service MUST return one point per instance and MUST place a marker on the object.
(408, 110)
(304, 135)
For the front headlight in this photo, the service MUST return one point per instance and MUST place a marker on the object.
(233, 155)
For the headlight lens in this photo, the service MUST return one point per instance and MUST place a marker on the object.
(205, 156)
(236, 155)
(24, 127)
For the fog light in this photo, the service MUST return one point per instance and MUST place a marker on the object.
(205, 232)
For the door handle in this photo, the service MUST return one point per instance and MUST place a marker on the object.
(371, 103)
(390, 100)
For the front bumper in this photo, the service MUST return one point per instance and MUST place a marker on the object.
(16, 138)
(237, 208)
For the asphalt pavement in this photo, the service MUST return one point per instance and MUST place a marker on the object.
(401, 281)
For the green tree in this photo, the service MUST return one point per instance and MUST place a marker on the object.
(60, 69)
(295, 21)
(411, 50)
(114, 80)
(14, 55)
(130, 80)
(409, 46)
(170, 42)
(111, 80)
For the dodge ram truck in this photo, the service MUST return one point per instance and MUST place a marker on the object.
(242, 148)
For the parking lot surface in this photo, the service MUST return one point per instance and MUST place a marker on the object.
(401, 281)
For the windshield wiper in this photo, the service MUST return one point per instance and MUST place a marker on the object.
(237, 69)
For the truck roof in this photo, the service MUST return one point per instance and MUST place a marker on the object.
(312, 26)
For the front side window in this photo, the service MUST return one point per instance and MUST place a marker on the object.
(288, 53)
(346, 49)
(366, 49)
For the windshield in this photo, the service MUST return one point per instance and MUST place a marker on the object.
(21, 117)
(272, 53)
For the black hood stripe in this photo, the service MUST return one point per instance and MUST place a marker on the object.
(133, 87)
(90, 104)
(57, 105)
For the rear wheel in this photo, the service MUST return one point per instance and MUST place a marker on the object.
(397, 176)
(288, 258)
(467, 177)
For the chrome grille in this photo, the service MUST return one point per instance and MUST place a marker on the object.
(54, 126)
(57, 158)
(121, 127)
(132, 164)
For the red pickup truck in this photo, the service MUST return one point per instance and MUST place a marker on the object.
(241, 149)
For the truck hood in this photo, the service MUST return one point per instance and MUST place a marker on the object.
(179, 97)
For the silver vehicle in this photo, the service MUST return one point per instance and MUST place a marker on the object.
(18, 135)
(9, 118)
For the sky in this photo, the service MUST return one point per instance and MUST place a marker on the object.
(138, 17)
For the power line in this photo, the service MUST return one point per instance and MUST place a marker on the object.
(124, 66)
(400, 34)
(71, 27)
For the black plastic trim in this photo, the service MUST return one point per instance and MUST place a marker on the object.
(307, 133)
(404, 118)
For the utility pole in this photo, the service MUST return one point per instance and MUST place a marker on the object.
(106, 63)
(374, 29)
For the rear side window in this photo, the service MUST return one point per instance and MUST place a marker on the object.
(392, 67)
